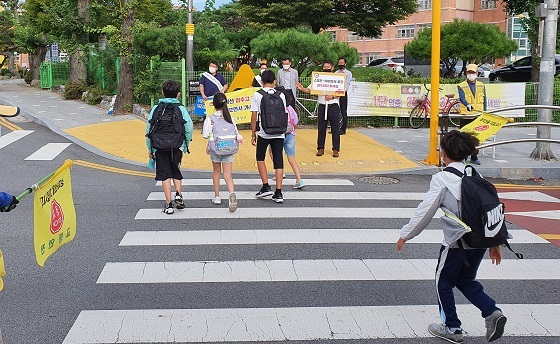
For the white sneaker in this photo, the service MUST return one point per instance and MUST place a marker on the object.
(168, 208)
(217, 201)
(232, 202)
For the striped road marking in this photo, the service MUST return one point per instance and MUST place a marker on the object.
(13, 137)
(258, 182)
(543, 214)
(529, 196)
(278, 211)
(314, 270)
(294, 236)
(301, 323)
(48, 151)
(297, 194)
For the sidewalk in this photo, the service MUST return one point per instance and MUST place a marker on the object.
(386, 150)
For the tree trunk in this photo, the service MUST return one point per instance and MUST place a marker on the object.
(125, 95)
(12, 66)
(35, 60)
(78, 67)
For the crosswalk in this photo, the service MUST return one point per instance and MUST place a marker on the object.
(45, 152)
(274, 322)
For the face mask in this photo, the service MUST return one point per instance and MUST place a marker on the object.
(286, 67)
(212, 70)
(326, 70)
(471, 77)
(341, 66)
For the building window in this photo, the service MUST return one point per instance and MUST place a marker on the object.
(487, 4)
(332, 34)
(352, 36)
(423, 26)
(399, 54)
(405, 31)
(424, 4)
(372, 56)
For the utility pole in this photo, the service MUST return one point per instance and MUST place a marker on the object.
(189, 30)
(549, 11)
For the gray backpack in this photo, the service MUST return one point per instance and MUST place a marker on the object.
(225, 137)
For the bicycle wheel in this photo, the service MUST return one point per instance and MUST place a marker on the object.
(455, 109)
(418, 116)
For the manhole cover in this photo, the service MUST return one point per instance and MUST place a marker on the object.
(379, 180)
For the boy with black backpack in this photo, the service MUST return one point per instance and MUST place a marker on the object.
(458, 262)
(269, 122)
(168, 135)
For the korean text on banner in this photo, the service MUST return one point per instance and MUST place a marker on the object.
(55, 216)
(239, 104)
(328, 84)
(485, 126)
(2, 271)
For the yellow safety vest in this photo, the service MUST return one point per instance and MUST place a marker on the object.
(477, 101)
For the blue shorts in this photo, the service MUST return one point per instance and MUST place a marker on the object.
(290, 145)
(221, 158)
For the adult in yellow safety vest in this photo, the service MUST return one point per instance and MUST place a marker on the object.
(472, 95)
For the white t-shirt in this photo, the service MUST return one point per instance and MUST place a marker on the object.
(256, 106)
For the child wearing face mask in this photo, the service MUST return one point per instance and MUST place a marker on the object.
(472, 94)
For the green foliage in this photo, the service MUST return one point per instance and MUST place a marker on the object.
(146, 81)
(167, 42)
(94, 95)
(462, 40)
(383, 76)
(365, 17)
(211, 44)
(305, 49)
(74, 89)
(7, 36)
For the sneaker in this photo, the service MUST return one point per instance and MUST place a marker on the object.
(283, 176)
(495, 324)
(265, 191)
(299, 185)
(179, 204)
(320, 152)
(217, 201)
(343, 132)
(278, 197)
(335, 153)
(476, 162)
(232, 202)
(443, 332)
(168, 208)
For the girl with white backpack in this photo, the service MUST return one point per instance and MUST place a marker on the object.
(223, 143)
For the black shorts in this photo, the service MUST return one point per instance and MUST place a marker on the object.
(167, 165)
(276, 146)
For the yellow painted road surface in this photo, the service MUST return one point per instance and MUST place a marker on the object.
(359, 153)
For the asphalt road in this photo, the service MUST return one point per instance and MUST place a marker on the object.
(41, 305)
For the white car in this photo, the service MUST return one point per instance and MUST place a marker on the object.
(390, 63)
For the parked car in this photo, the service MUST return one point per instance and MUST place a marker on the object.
(519, 71)
(390, 63)
(443, 72)
(483, 71)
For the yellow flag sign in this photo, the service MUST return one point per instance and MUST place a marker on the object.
(2, 271)
(239, 104)
(55, 216)
(485, 126)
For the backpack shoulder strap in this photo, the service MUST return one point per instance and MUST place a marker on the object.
(454, 171)
(262, 92)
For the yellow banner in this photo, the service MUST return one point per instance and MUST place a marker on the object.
(239, 104)
(55, 216)
(2, 271)
(485, 126)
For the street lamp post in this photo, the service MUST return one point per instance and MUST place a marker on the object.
(189, 30)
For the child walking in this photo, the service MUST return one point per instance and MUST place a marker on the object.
(168, 135)
(456, 267)
(223, 142)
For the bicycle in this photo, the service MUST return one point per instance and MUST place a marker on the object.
(302, 109)
(420, 112)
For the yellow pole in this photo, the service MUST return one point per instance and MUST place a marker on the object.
(433, 156)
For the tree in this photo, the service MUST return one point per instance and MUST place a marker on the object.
(124, 36)
(530, 24)
(304, 48)
(462, 40)
(365, 17)
(7, 41)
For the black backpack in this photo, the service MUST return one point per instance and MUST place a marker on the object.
(167, 131)
(482, 211)
(273, 115)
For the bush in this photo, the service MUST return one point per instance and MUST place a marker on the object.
(94, 94)
(27, 75)
(5, 72)
(74, 89)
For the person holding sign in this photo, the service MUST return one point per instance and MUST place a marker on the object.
(212, 82)
(7, 202)
(329, 113)
(472, 95)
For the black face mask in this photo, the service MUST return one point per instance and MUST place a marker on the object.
(326, 70)
(341, 66)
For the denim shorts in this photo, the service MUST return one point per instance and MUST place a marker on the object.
(221, 158)
(290, 145)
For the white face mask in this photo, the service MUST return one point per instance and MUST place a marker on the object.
(212, 70)
(471, 77)
(286, 67)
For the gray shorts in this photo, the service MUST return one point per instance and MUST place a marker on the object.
(221, 158)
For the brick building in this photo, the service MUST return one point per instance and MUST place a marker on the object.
(394, 37)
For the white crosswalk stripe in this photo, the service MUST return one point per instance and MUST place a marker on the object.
(215, 325)
(12, 137)
(48, 151)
